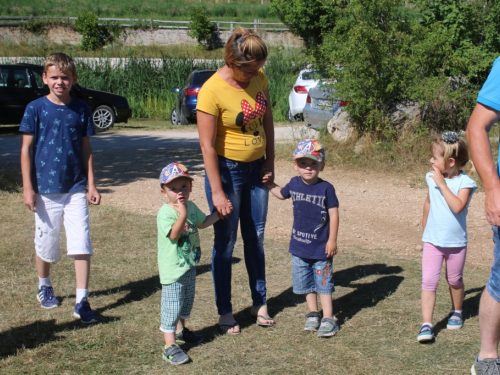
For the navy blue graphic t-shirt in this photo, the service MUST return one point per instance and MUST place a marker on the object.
(58, 131)
(311, 222)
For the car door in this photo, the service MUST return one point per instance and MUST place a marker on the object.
(17, 89)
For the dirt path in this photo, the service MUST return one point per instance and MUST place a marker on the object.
(379, 212)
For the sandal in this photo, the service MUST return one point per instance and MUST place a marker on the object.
(265, 321)
(262, 320)
(225, 328)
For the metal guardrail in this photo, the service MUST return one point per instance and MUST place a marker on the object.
(151, 23)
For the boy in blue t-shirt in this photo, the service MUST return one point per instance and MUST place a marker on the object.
(57, 166)
(314, 234)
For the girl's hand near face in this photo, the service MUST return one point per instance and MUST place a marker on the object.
(437, 177)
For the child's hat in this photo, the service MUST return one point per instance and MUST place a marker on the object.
(173, 171)
(310, 148)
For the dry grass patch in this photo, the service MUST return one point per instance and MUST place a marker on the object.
(376, 302)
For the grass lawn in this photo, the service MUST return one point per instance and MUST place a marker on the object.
(377, 303)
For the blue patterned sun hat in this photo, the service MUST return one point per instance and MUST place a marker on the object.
(173, 171)
(310, 148)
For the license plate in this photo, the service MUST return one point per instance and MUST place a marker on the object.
(323, 103)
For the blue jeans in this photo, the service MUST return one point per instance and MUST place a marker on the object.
(493, 285)
(242, 183)
(312, 275)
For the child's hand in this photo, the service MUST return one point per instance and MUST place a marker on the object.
(180, 208)
(267, 177)
(437, 176)
(30, 199)
(331, 249)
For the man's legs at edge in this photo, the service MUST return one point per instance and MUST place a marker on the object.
(489, 326)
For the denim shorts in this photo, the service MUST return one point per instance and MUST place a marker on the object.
(312, 275)
(493, 285)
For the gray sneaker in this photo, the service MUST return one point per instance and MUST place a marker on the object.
(313, 321)
(485, 367)
(175, 355)
(328, 327)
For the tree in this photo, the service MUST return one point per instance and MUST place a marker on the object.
(309, 19)
(202, 29)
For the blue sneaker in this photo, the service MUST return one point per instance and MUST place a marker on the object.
(455, 321)
(426, 333)
(46, 297)
(175, 355)
(84, 312)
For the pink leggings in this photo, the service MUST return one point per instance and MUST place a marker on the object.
(432, 261)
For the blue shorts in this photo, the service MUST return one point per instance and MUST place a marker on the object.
(312, 275)
(493, 285)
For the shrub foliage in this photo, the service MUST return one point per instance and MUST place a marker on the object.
(383, 52)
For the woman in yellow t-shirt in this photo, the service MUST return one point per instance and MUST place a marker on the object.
(236, 128)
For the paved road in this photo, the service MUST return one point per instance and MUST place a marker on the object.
(10, 145)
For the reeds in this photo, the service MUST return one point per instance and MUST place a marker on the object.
(147, 83)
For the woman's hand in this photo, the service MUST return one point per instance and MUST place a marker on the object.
(267, 172)
(222, 204)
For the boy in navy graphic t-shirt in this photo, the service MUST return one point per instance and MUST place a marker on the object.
(314, 234)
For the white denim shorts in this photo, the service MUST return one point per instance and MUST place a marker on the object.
(51, 210)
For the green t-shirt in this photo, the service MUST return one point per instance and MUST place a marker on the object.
(175, 258)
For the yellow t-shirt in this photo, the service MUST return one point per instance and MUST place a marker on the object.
(240, 116)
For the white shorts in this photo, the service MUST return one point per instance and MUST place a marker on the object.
(50, 210)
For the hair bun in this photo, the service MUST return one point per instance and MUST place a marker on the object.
(450, 137)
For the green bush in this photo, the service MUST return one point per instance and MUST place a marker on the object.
(94, 35)
(201, 29)
(384, 52)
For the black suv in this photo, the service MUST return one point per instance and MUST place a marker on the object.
(20, 84)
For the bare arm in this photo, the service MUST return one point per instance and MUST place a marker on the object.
(26, 170)
(207, 129)
(425, 215)
(456, 202)
(275, 190)
(480, 122)
(88, 165)
(331, 245)
(178, 227)
(209, 220)
(268, 166)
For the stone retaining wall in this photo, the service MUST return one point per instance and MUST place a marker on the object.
(130, 37)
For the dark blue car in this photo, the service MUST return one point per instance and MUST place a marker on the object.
(184, 112)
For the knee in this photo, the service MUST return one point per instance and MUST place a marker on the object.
(430, 284)
(456, 282)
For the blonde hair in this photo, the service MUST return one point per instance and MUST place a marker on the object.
(243, 47)
(457, 150)
(61, 61)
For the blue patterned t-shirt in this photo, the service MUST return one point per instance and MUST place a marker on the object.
(58, 131)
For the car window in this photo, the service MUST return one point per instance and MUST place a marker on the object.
(314, 75)
(38, 77)
(3, 77)
(200, 78)
(15, 78)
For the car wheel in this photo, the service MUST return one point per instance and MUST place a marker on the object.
(174, 118)
(103, 118)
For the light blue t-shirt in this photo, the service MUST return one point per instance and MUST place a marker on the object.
(490, 93)
(444, 227)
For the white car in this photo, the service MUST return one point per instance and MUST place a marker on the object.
(306, 80)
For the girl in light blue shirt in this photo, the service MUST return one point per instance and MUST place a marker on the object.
(445, 228)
